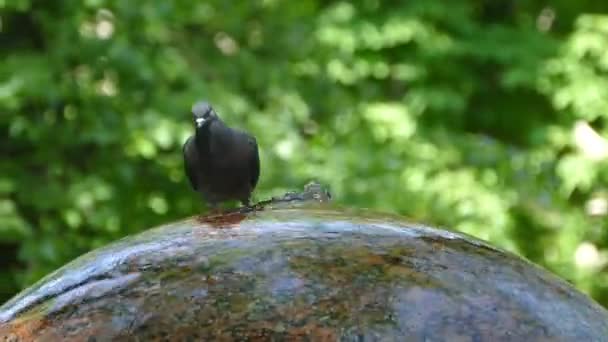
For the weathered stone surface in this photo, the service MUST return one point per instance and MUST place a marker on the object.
(309, 273)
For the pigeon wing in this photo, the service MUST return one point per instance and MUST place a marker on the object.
(191, 161)
(254, 163)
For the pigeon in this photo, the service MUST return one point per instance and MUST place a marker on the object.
(221, 163)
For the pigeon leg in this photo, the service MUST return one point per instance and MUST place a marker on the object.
(214, 208)
(246, 202)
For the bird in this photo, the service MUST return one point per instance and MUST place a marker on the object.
(221, 163)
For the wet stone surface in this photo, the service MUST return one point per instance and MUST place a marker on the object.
(306, 272)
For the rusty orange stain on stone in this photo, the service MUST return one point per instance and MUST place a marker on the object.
(224, 220)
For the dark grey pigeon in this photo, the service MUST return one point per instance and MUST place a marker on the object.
(221, 163)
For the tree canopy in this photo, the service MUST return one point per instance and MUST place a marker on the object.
(482, 116)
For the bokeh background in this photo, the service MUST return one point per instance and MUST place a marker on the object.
(483, 116)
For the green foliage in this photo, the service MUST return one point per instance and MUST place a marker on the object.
(485, 116)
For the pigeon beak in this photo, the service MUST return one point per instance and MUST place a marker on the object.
(199, 121)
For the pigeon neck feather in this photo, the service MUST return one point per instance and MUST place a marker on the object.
(213, 136)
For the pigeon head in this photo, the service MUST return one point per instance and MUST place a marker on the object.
(203, 113)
